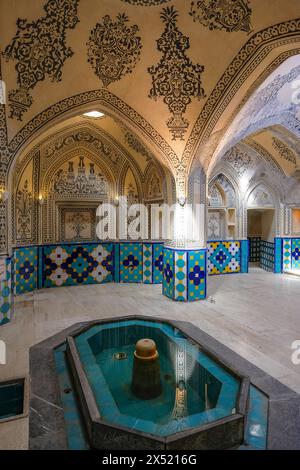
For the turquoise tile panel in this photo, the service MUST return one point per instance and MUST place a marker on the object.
(131, 262)
(158, 263)
(69, 265)
(6, 293)
(25, 269)
(196, 275)
(224, 257)
(147, 263)
(168, 273)
(295, 254)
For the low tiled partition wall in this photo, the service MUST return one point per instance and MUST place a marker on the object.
(6, 291)
(227, 257)
(184, 277)
(254, 249)
(267, 256)
(90, 263)
(288, 254)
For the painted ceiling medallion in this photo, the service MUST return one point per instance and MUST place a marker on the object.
(175, 77)
(113, 48)
(40, 50)
(230, 15)
(146, 3)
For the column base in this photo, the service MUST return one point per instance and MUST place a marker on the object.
(184, 274)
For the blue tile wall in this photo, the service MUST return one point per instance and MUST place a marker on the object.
(254, 249)
(227, 257)
(168, 273)
(278, 255)
(90, 263)
(71, 265)
(6, 293)
(131, 262)
(25, 269)
(290, 254)
(267, 255)
(184, 277)
(296, 254)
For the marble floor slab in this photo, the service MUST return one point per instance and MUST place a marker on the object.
(257, 315)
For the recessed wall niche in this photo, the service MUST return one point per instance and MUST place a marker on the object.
(221, 223)
(296, 221)
(59, 186)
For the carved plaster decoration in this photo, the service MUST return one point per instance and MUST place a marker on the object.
(257, 48)
(175, 77)
(284, 151)
(77, 224)
(40, 50)
(223, 182)
(240, 161)
(228, 15)
(215, 225)
(146, 3)
(268, 94)
(113, 48)
(24, 208)
(98, 143)
(260, 197)
(80, 181)
(4, 160)
(154, 189)
(137, 145)
(215, 197)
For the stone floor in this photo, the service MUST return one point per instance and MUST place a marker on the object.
(257, 315)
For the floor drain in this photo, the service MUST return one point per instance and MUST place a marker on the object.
(120, 355)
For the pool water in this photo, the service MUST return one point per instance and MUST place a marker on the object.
(195, 389)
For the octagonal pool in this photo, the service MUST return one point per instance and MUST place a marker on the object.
(197, 395)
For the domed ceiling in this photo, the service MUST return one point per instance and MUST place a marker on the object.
(172, 71)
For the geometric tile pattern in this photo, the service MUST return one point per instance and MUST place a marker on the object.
(287, 254)
(267, 255)
(69, 265)
(278, 255)
(180, 278)
(25, 269)
(131, 262)
(254, 249)
(158, 263)
(6, 294)
(296, 253)
(184, 274)
(147, 263)
(196, 275)
(168, 274)
(245, 256)
(224, 257)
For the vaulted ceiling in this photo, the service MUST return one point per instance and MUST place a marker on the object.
(173, 73)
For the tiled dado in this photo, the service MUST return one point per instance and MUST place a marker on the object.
(6, 291)
(25, 262)
(184, 276)
(90, 263)
(289, 248)
(227, 257)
